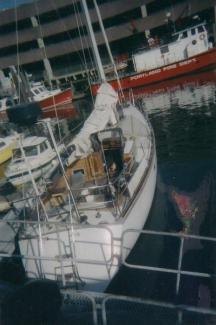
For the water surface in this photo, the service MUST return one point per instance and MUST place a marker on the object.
(183, 116)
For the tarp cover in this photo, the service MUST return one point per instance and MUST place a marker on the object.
(104, 113)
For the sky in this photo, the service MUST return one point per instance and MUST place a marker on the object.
(5, 4)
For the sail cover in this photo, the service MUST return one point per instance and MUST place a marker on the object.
(104, 113)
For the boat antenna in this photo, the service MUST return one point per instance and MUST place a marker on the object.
(108, 46)
(94, 43)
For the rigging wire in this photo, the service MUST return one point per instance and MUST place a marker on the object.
(45, 54)
(61, 20)
(108, 48)
(63, 170)
(72, 203)
(81, 24)
(72, 248)
(90, 55)
(17, 50)
(18, 91)
(32, 178)
(76, 10)
(81, 32)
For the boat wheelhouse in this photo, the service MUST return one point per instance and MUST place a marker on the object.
(38, 156)
(183, 45)
(39, 91)
(53, 103)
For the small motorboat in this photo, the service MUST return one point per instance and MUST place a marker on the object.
(39, 158)
(53, 103)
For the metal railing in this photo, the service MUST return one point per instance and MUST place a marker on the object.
(64, 256)
(128, 310)
(55, 227)
(182, 237)
(110, 309)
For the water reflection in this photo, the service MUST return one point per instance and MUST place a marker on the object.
(183, 115)
(184, 124)
(189, 92)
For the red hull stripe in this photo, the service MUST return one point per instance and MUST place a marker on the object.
(62, 98)
(61, 111)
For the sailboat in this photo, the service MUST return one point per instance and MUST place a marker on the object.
(106, 189)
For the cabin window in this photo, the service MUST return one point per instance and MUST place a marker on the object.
(31, 151)
(184, 35)
(17, 153)
(193, 31)
(41, 89)
(36, 91)
(164, 49)
(2, 144)
(43, 146)
(200, 29)
(175, 37)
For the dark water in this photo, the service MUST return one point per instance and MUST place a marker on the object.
(183, 115)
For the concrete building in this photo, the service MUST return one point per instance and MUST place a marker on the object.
(49, 38)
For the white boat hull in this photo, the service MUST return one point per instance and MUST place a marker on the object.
(42, 171)
(95, 250)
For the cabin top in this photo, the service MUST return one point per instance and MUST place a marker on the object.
(32, 146)
(38, 88)
(32, 141)
(189, 32)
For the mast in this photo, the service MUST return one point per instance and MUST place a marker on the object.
(107, 45)
(94, 43)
